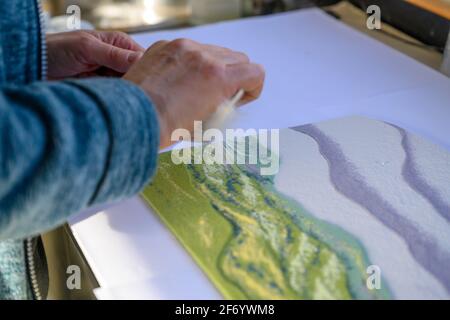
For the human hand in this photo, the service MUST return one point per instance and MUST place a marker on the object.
(90, 53)
(187, 81)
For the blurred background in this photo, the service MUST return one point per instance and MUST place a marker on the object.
(133, 15)
(418, 28)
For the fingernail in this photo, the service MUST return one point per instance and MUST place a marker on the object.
(135, 56)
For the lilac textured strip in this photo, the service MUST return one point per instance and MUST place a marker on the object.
(352, 185)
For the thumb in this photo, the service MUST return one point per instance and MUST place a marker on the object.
(117, 59)
(249, 77)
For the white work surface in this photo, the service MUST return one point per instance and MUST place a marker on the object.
(317, 69)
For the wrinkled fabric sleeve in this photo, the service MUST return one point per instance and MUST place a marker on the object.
(69, 145)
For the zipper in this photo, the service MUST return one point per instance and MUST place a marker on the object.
(32, 274)
(42, 40)
(29, 248)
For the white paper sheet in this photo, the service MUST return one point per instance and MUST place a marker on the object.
(317, 69)
(163, 287)
(312, 61)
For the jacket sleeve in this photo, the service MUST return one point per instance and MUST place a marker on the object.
(68, 145)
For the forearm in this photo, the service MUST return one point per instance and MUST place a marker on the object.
(68, 145)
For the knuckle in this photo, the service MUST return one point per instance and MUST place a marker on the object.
(157, 45)
(196, 57)
(167, 59)
(113, 53)
(242, 56)
(85, 41)
(213, 70)
(181, 44)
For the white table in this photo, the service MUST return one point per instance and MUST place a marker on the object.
(317, 69)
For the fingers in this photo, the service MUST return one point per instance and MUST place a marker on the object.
(120, 40)
(240, 72)
(112, 57)
(247, 76)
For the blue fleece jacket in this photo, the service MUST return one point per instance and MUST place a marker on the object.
(64, 145)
